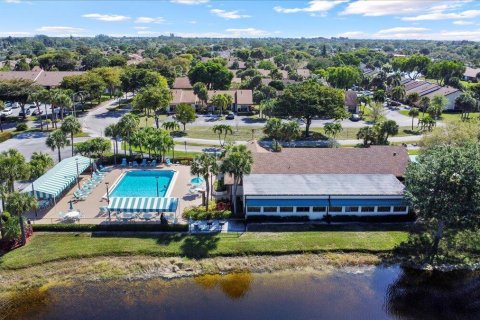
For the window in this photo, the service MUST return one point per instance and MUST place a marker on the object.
(253, 209)
(400, 209)
(335, 209)
(269, 209)
(303, 209)
(368, 209)
(319, 209)
(286, 209)
(383, 209)
(351, 209)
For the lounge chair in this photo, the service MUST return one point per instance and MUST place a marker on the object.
(135, 164)
(79, 196)
(124, 163)
(104, 169)
(168, 162)
(99, 173)
(153, 163)
(104, 209)
(144, 162)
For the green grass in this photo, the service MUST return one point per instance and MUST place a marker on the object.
(241, 133)
(44, 248)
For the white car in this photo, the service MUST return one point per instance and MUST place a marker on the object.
(7, 111)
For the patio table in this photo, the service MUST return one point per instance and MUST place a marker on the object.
(72, 215)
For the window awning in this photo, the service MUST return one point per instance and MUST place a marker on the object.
(59, 178)
(143, 204)
(368, 202)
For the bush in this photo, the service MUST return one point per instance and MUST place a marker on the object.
(5, 216)
(216, 211)
(4, 136)
(109, 227)
(21, 127)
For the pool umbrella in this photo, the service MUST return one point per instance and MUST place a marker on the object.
(197, 180)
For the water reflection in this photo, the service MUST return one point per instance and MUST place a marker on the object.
(233, 285)
(434, 295)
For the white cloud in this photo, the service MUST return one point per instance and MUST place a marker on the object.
(190, 2)
(192, 22)
(106, 17)
(247, 32)
(59, 29)
(150, 20)
(399, 7)
(15, 33)
(141, 28)
(12, 1)
(402, 30)
(463, 22)
(469, 14)
(313, 7)
(229, 14)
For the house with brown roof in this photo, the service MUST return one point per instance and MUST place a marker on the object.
(351, 101)
(315, 183)
(471, 74)
(448, 92)
(182, 83)
(47, 79)
(428, 89)
(242, 99)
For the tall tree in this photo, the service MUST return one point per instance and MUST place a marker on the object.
(129, 124)
(444, 188)
(214, 74)
(39, 164)
(185, 113)
(200, 89)
(222, 129)
(18, 204)
(220, 101)
(437, 106)
(71, 126)
(154, 98)
(203, 166)
(13, 168)
(413, 112)
(332, 129)
(237, 163)
(57, 140)
(310, 99)
(466, 103)
(343, 77)
(114, 131)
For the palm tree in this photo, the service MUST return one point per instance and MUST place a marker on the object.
(138, 139)
(237, 162)
(398, 93)
(129, 124)
(38, 97)
(39, 164)
(113, 131)
(414, 112)
(62, 100)
(13, 167)
(171, 125)
(220, 101)
(71, 125)
(17, 204)
(203, 166)
(222, 129)
(57, 140)
(424, 104)
(332, 129)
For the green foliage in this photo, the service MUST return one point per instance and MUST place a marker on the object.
(414, 65)
(454, 133)
(332, 129)
(214, 74)
(445, 70)
(222, 129)
(285, 131)
(343, 77)
(200, 213)
(39, 164)
(95, 147)
(185, 113)
(57, 140)
(378, 134)
(21, 127)
(437, 106)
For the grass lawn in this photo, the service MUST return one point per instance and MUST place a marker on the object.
(53, 247)
(240, 133)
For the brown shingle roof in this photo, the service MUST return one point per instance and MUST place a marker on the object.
(182, 83)
(54, 78)
(443, 91)
(183, 96)
(471, 72)
(376, 159)
(26, 75)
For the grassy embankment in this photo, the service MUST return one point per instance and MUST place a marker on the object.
(44, 248)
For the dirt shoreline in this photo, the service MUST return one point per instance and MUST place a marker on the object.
(147, 267)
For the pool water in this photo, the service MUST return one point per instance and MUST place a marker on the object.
(143, 184)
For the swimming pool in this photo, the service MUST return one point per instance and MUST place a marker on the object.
(143, 184)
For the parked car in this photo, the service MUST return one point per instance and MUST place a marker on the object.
(32, 106)
(355, 117)
(7, 111)
(14, 105)
(230, 116)
(22, 114)
(37, 112)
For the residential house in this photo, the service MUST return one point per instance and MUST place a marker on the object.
(471, 74)
(183, 96)
(182, 83)
(448, 92)
(242, 99)
(351, 101)
(47, 79)
(427, 89)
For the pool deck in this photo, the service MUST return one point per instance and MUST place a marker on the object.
(90, 208)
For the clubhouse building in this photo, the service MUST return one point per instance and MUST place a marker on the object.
(315, 182)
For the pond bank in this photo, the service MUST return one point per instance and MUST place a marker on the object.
(147, 267)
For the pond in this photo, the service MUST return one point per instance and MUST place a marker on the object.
(350, 293)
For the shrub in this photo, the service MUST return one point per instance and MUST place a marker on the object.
(21, 127)
(5, 215)
(11, 228)
(216, 211)
(109, 227)
(4, 136)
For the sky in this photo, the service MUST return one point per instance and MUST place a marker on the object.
(361, 19)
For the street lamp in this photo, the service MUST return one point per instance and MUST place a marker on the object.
(78, 174)
(108, 194)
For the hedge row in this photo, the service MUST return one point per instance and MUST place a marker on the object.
(109, 227)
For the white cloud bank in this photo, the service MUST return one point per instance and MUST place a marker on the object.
(106, 17)
(229, 15)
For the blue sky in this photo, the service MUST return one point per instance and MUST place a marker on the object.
(389, 19)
